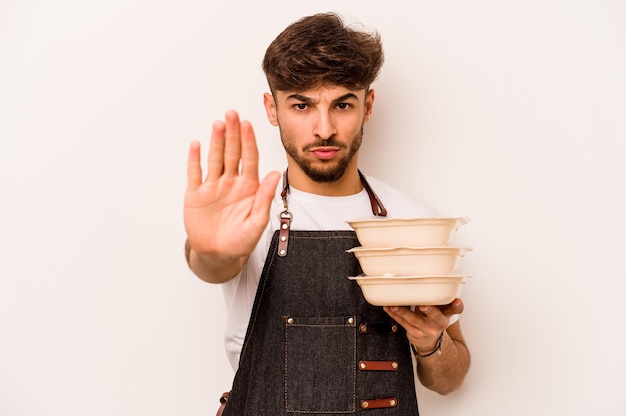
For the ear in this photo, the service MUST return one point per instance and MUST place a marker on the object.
(369, 105)
(270, 108)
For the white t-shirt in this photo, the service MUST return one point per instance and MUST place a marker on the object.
(310, 212)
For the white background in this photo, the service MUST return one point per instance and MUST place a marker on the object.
(509, 112)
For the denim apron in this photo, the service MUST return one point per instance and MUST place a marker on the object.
(314, 346)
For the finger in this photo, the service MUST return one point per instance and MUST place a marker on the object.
(216, 151)
(435, 314)
(404, 316)
(194, 169)
(249, 153)
(415, 323)
(453, 308)
(456, 307)
(264, 196)
(232, 145)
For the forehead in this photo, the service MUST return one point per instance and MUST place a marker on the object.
(322, 94)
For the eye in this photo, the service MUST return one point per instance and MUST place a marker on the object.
(300, 106)
(344, 106)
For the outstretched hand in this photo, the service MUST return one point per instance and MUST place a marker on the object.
(226, 212)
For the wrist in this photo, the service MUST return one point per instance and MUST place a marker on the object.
(435, 350)
(212, 268)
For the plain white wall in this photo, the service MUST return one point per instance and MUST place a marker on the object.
(509, 112)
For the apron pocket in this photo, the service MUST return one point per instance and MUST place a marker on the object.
(320, 364)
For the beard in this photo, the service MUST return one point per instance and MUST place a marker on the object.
(330, 170)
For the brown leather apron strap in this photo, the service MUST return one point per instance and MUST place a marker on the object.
(223, 401)
(285, 219)
(377, 206)
(285, 215)
(378, 365)
(379, 403)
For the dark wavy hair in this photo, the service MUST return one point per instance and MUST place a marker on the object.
(321, 50)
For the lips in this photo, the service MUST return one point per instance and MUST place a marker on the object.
(325, 153)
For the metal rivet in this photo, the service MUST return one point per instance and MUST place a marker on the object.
(350, 320)
(363, 365)
(392, 402)
(283, 238)
(394, 365)
(364, 404)
(290, 320)
(363, 328)
(394, 328)
(284, 226)
(282, 252)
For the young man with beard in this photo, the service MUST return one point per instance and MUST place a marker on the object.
(299, 334)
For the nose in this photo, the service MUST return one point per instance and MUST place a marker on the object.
(324, 126)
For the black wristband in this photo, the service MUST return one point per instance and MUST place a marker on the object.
(428, 354)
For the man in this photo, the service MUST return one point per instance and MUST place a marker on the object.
(300, 335)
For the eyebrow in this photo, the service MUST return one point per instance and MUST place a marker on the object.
(309, 100)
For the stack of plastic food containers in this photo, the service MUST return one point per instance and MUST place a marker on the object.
(408, 261)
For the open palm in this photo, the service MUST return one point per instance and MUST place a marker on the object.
(226, 212)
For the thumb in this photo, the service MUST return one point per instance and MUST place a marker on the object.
(265, 193)
(456, 306)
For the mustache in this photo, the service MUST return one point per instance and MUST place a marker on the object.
(332, 142)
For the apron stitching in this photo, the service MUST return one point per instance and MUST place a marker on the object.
(262, 288)
(354, 368)
(286, 370)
